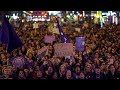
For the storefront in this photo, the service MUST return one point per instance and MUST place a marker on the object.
(103, 17)
(110, 17)
(40, 16)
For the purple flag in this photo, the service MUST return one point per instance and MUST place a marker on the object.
(9, 36)
(80, 43)
(62, 35)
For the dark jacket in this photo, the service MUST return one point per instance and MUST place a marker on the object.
(118, 75)
(110, 76)
(88, 76)
(98, 76)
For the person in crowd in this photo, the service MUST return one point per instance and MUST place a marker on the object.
(82, 75)
(55, 76)
(98, 74)
(62, 72)
(49, 73)
(39, 75)
(6, 73)
(118, 73)
(77, 72)
(112, 72)
(21, 75)
(69, 74)
(88, 71)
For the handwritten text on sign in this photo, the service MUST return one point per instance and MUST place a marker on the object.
(63, 49)
(49, 39)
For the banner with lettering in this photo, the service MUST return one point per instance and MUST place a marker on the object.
(80, 43)
(63, 49)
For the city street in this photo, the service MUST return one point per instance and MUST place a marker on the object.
(59, 45)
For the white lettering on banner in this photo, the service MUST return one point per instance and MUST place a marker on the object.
(63, 49)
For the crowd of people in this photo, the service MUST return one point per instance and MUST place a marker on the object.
(99, 60)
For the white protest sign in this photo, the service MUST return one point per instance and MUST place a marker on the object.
(35, 25)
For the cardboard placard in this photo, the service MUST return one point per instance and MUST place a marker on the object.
(80, 43)
(49, 39)
(63, 49)
(35, 25)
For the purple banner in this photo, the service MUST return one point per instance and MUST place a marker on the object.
(49, 39)
(80, 43)
(18, 61)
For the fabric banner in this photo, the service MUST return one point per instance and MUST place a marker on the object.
(18, 61)
(80, 43)
(63, 49)
(49, 39)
